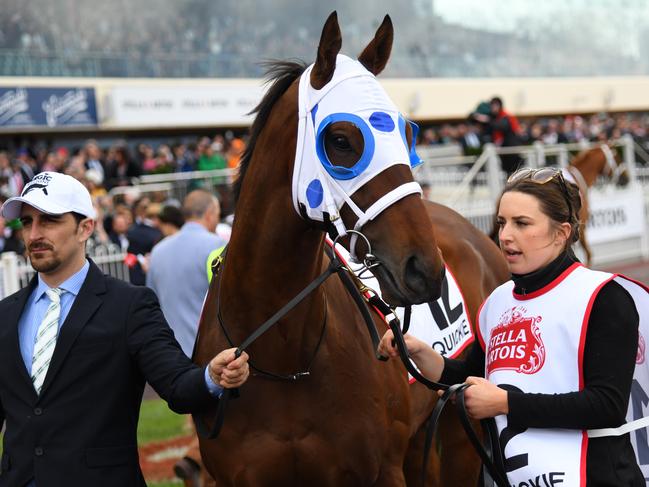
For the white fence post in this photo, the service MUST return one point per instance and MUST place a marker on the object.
(539, 154)
(10, 280)
(629, 156)
(493, 171)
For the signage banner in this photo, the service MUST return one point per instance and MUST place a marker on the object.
(47, 107)
(183, 106)
(615, 214)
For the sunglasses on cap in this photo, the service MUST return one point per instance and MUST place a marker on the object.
(542, 176)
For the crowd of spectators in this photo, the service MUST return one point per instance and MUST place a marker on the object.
(202, 38)
(102, 168)
(548, 130)
(132, 221)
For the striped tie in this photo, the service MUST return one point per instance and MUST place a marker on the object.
(46, 339)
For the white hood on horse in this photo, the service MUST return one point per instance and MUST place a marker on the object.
(320, 188)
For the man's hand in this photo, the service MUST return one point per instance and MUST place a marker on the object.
(228, 372)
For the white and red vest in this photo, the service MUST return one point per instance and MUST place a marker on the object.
(535, 344)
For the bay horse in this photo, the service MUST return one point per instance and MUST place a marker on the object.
(348, 419)
(583, 170)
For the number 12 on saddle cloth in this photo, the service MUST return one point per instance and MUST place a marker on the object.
(444, 324)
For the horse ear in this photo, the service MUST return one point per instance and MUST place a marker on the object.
(330, 43)
(375, 56)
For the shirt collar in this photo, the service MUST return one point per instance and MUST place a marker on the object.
(193, 227)
(71, 285)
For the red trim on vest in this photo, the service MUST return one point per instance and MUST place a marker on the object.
(584, 330)
(580, 361)
(478, 331)
(548, 287)
(466, 312)
(641, 284)
(582, 466)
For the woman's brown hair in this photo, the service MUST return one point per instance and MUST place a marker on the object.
(558, 199)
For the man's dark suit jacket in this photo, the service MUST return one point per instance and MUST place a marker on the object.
(81, 430)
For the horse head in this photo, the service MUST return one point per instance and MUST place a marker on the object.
(601, 161)
(352, 170)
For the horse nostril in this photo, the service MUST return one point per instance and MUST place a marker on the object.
(418, 277)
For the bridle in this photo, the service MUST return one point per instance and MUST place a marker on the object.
(490, 453)
(336, 266)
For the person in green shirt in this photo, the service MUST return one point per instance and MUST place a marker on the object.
(211, 159)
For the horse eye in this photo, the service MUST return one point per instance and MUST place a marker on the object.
(339, 142)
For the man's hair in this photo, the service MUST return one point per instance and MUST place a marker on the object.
(196, 204)
(78, 217)
(171, 215)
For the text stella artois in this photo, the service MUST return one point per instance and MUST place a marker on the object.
(515, 343)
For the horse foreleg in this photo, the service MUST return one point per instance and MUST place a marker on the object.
(460, 464)
(413, 465)
(422, 403)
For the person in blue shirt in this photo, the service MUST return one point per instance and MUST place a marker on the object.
(177, 266)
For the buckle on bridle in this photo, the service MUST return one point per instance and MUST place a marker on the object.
(369, 260)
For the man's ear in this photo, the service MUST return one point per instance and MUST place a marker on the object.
(86, 227)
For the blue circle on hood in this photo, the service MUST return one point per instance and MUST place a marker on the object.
(314, 193)
(340, 172)
(382, 121)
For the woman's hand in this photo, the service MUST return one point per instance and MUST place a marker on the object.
(428, 361)
(388, 348)
(484, 399)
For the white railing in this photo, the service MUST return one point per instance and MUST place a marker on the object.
(16, 271)
(473, 191)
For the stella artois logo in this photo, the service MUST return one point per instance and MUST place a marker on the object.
(515, 343)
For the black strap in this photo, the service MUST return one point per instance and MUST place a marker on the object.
(493, 470)
(491, 454)
(201, 426)
(268, 324)
(211, 433)
(335, 266)
(394, 324)
(358, 298)
(407, 314)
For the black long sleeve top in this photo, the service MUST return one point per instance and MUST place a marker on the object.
(609, 362)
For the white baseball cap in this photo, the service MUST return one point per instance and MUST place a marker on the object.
(53, 193)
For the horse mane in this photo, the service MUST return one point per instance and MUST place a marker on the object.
(281, 74)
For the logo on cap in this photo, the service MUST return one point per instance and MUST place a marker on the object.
(40, 181)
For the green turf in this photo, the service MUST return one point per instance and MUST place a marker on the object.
(158, 422)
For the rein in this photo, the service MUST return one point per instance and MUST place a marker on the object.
(490, 453)
(335, 267)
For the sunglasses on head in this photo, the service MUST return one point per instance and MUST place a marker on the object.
(542, 176)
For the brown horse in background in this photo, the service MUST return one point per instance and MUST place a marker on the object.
(352, 419)
(584, 170)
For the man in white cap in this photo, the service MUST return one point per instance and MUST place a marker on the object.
(76, 348)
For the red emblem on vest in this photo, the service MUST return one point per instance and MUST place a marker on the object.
(515, 343)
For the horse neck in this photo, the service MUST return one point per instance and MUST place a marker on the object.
(272, 255)
(588, 170)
